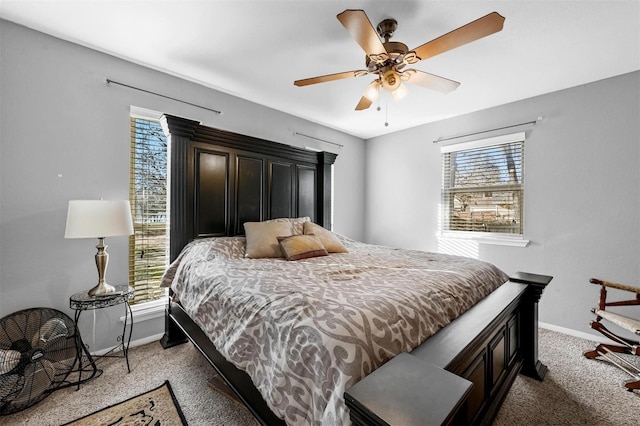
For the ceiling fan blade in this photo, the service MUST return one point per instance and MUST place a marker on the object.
(329, 77)
(370, 94)
(360, 28)
(363, 104)
(487, 25)
(431, 81)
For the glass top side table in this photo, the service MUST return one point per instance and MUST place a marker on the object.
(81, 302)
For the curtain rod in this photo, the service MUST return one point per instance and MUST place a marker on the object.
(536, 121)
(317, 139)
(109, 81)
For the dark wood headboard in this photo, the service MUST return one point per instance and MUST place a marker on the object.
(219, 180)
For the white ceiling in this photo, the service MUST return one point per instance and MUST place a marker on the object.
(256, 49)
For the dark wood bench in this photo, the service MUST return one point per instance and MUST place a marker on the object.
(407, 391)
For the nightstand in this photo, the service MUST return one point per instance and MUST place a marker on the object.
(81, 302)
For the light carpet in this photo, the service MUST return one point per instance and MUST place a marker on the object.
(575, 391)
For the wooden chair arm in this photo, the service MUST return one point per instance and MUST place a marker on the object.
(624, 287)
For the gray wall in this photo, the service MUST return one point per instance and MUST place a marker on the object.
(64, 134)
(582, 199)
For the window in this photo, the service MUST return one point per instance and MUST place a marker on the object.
(483, 186)
(148, 246)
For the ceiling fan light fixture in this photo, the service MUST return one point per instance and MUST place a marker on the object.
(391, 80)
(400, 92)
(373, 91)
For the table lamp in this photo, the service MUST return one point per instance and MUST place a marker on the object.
(99, 219)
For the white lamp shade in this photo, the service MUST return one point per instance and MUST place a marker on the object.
(98, 218)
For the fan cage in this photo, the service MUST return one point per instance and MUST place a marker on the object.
(38, 350)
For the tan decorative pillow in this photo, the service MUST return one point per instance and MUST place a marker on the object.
(262, 238)
(299, 247)
(329, 240)
(297, 223)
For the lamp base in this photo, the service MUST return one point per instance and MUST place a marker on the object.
(102, 260)
(101, 288)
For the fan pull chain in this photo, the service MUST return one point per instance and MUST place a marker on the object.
(386, 112)
(386, 115)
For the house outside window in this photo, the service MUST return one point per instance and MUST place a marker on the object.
(483, 187)
(148, 246)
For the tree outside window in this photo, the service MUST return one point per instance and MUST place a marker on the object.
(148, 247)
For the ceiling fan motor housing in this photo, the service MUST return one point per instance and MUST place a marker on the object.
(386, 28)
(390, 63)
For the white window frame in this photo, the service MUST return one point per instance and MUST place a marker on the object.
(154, 308)
(515, 240)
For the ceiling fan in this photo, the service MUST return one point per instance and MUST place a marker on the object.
(388, 59)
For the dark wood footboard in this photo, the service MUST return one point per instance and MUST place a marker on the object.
(485, 347)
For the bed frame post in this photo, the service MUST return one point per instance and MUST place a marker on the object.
(173, 335)
(531, 367)
(179, 133)
(325, 160)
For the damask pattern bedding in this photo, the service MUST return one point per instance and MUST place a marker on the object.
(307, 330)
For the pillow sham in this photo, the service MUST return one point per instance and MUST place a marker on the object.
(262, 238)
(298, 247)
(329, 240)
(297, 223)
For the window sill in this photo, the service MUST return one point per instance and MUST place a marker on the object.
(485, 239)
(148, 310)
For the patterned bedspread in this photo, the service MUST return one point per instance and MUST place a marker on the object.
(307, 330)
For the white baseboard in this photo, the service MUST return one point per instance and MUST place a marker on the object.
(133, 344)
(146, 340)
(147, 311)
(574, 333)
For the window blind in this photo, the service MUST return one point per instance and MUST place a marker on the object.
(483, 186)
(148, 246)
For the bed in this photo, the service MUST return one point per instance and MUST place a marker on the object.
(462, 315)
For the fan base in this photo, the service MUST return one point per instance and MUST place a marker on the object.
(386, 28)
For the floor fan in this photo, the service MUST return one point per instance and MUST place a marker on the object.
(37, 352)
